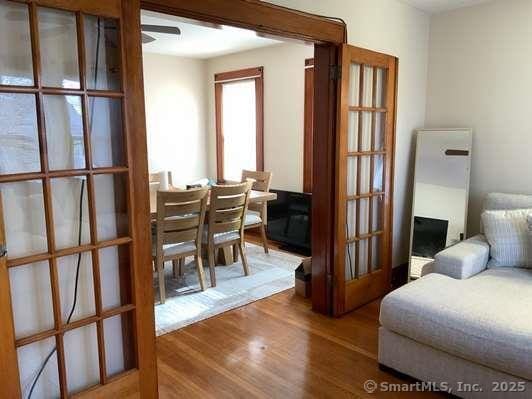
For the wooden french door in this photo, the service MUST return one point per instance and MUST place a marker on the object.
(76, 302)
(365, 148)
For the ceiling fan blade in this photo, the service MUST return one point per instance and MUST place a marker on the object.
(171, 30)
(147, 38)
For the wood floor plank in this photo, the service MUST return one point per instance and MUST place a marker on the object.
(275, 348)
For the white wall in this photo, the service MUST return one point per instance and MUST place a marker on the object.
(479, 76)
(174, 89)
(391, 27)
(284, 95)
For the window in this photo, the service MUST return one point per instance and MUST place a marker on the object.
(309, 125)
(239, 122)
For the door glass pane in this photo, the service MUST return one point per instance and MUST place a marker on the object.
(352, 131)
(365, 144)
(365, 171)
(67, 194)
(16, 66)
(363, 257)
(376, 259)
(364, 216)
(239, 128)
(19, 149)
(350, 256)
(81, 358)
(380, 131)
(64, 132)
(31, 298)
(117, 343)
(111, 206)
(59, 48)
(114, 262)
(380, 95)
(102, 51)
(67, 268)
(105, 126)
(30, 359)
(352, 164)
(367, 95)
(378, 173)
(24, 218)
(351, 219)
(354, 85)
(378, 204)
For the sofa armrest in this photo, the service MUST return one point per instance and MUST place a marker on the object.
(464, 259)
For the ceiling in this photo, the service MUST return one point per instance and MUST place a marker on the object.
(435, 6)
(198, 41)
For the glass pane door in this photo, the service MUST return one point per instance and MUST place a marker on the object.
(365, 156)
(65, 191)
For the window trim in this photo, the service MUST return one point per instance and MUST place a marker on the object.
(256, 74)
(308, 126)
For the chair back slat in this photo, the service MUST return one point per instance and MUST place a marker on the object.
(228, 190)
(181, 223)
(183, 209)
(180, 216)
(262, 180)
(227, 208)
(176, 237)
(228, 215)
(183, 195)
(230, 202)
(226, 227)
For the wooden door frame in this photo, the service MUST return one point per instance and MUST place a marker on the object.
(327, 35)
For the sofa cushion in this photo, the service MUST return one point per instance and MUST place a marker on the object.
(507, 234)
(485, 319)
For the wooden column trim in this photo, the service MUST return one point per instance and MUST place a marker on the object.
(323, 177)
(308, 125)
(144, 318)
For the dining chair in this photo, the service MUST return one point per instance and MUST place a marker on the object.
(227, 210)
(155, 186)
(257, 214)
(156, 178)
(179, 231)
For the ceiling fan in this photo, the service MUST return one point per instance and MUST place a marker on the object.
(65, 20)
(170, 30)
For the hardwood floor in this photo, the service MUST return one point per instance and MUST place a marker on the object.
(274, 348)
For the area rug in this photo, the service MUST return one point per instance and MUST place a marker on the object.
(186, 303)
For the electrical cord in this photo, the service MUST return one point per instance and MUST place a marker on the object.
(80, 228)
(76, 286)
(349, 250)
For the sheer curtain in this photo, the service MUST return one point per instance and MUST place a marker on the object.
(239, 128)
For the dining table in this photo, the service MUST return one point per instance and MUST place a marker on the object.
(225, 255)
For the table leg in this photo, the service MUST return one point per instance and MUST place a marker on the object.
(225, 256)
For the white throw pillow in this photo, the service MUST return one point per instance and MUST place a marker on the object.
(529, 220)
(509, 235)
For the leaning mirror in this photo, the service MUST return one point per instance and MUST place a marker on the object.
(441, 192)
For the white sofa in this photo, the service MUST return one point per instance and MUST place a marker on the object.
(464, 327)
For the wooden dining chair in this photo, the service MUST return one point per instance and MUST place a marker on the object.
(179, 230)
(257, 214)
(227, 209)
(156, 178)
